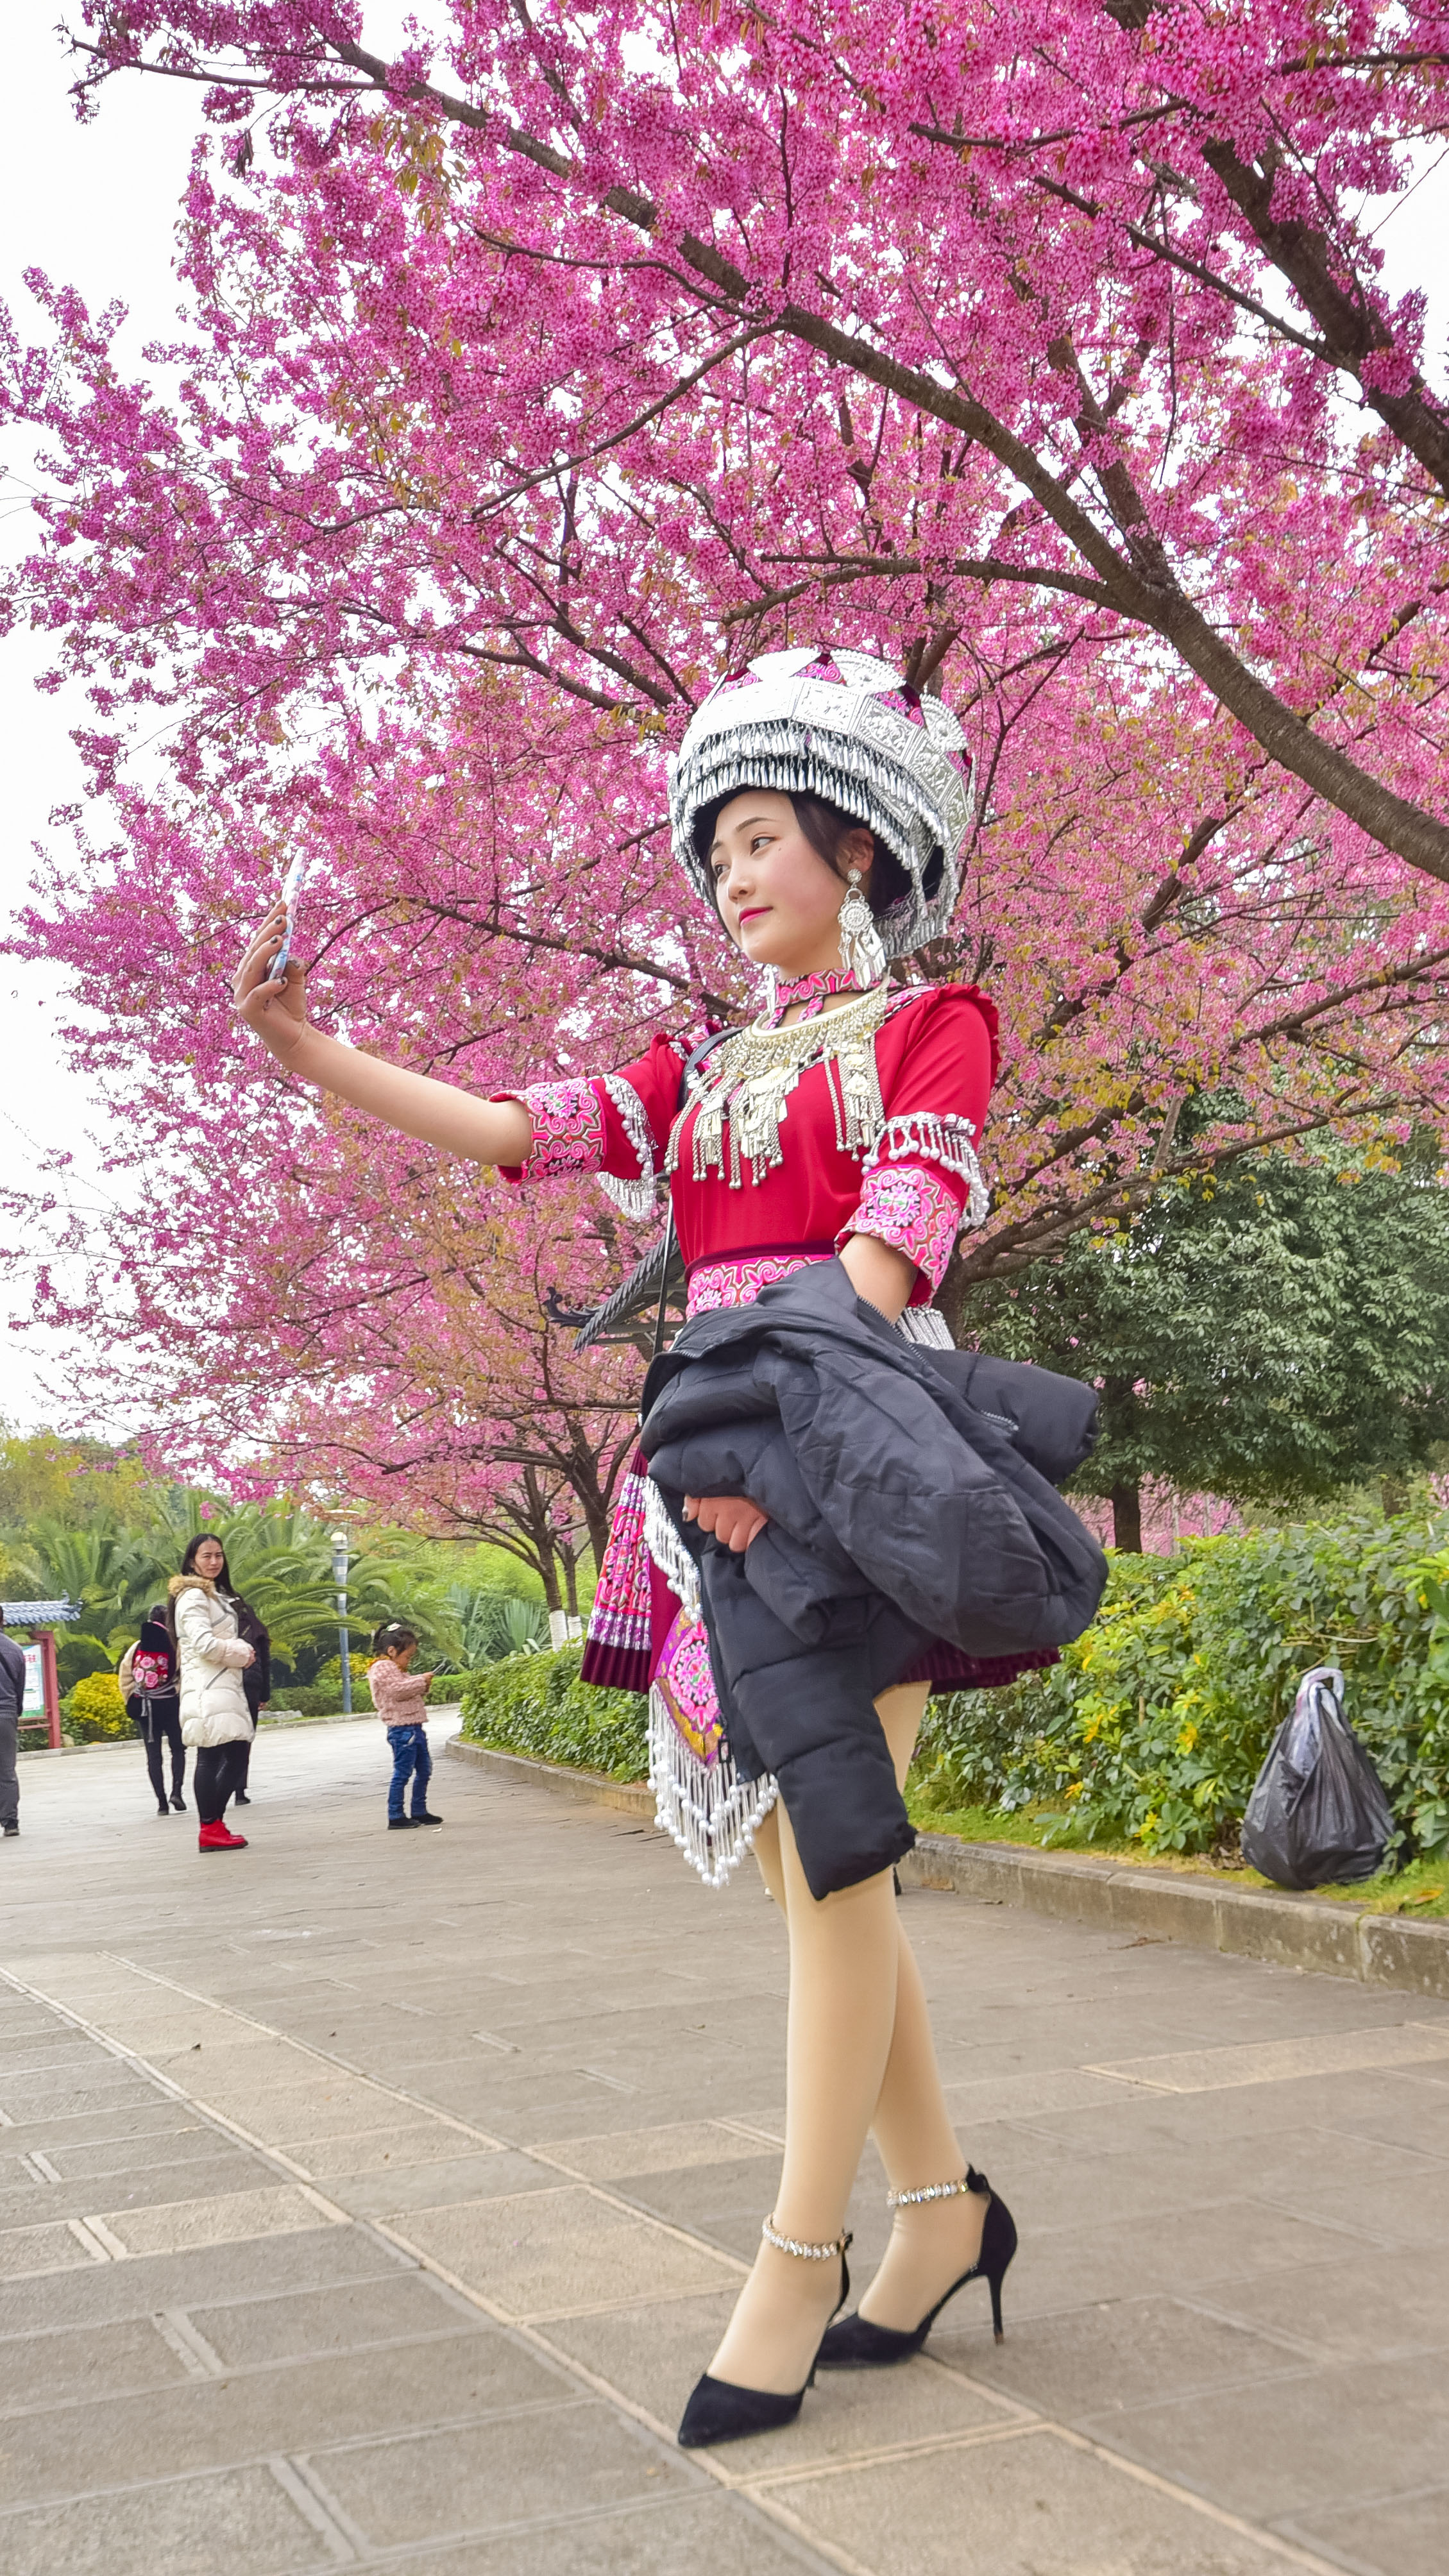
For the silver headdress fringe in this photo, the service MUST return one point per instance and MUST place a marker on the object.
(838, 739)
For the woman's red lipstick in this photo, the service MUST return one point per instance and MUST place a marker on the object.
(755, 912)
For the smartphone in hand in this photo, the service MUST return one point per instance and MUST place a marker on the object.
(292, 884)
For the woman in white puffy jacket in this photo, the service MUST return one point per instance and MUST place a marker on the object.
(215, 1718)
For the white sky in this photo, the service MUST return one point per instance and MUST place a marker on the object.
(95, 207)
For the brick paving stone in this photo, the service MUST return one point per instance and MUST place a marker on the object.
(417, 2200)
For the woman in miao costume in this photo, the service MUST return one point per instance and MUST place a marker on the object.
(818, 806)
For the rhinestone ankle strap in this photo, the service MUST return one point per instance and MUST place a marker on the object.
(972, 2181)
(792, 2244)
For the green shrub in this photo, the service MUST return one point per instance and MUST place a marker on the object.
(324, 1699)
(318, 1699)
(1153, 1726)
(536, 1704)
(306, 1699)
(95, 1712)
(78, 1656)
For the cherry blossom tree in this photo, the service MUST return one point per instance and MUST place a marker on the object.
(533, 379)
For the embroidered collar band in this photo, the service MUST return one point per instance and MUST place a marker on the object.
(813, 990)
(842, 726)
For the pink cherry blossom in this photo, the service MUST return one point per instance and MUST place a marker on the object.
(533, 381)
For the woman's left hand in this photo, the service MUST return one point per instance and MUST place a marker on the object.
(731, 1518)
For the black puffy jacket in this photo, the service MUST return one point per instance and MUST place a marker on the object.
(908, 1499)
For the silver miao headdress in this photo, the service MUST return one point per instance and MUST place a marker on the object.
(844, 727)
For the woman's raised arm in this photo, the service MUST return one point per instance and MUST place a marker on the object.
(484, 1131)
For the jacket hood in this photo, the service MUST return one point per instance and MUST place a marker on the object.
(191, 1583)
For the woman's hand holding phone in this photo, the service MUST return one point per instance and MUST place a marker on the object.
(274, 1007)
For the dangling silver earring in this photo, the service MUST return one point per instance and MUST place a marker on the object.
(772, 991)
(862, 955)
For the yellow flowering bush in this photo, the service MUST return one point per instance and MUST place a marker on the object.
(94, 1712)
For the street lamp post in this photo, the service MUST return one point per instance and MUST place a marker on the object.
(339, 1577)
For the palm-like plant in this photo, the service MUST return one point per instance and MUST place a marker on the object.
(493, 1624)
(280, 1558)
(108, 1570)
(20, 1576)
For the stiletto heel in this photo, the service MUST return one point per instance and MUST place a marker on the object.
(993, 2283)
(856, 2344)
(718, 2410)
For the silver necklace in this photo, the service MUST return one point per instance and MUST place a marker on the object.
(740, 1096)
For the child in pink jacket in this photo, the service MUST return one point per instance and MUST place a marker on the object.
(401, 1701)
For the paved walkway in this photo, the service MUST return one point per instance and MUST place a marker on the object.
(373, 2201)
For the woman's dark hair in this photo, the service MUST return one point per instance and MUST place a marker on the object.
(825, 827)
(393, 1633)
(223, 1580)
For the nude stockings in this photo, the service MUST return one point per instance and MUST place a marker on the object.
(859, 2056)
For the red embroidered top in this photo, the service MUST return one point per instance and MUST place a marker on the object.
(912, 1186)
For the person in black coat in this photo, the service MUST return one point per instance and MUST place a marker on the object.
(12, 1702)
(256, 1680)
(148, 1683)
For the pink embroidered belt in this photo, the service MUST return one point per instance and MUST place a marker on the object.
(738, 1280)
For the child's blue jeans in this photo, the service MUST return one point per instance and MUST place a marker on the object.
(411, 1760)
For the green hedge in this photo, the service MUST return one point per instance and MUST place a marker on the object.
(324, 1699)
(1153, 1726)
(536, 1704)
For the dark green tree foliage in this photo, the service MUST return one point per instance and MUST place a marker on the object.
(1273, 1335)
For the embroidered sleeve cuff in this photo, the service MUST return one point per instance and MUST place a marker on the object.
(925, 1137)
(568, 1130)
(909, 1206)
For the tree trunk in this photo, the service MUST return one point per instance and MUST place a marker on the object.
(1127, 1519)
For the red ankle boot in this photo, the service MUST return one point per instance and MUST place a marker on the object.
(215, 1837)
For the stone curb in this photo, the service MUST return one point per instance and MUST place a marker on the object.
(589, 1788)
(1332, 1939)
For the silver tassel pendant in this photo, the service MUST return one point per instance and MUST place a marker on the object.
(862, 954)
(741, 1103)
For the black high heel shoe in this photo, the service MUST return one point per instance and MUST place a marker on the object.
(718, 2410)
(855, 2344)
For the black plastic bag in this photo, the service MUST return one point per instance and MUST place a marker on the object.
(1318, 1814)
